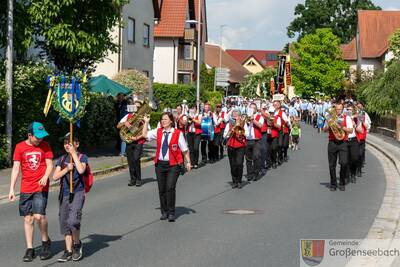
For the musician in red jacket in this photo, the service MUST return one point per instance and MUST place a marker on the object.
(338, 148)
(134, 150)
(236, 148)
(194, 135)
(171, 152)
(362, 129)
(253, 144)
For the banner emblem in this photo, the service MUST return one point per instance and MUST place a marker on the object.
(312, 251)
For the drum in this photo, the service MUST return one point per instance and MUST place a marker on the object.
(320, 121)
(207, 129)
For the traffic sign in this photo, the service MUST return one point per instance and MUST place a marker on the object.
(223, 84)
(222, 70)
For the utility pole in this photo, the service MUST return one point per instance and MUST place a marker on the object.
(221, 27)
(9, 78)
(199, 25)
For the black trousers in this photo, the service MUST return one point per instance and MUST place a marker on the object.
(263, 151)
(285, 144)
(335, 149)
(221, 144)
(269, 151)
(167, 177)
(194, 145)
(362, 154)
(214, 147)
(204, 144)
(280, 147)
(354, 156)
(236, 159)
(274, 150)
(253, 157)
(134, 152)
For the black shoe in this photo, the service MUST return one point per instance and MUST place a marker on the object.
(234, 185)
(240, 185)
(29, 255)
(45, 253)
(353, 179)
(138, 183)
(67, 256)
(250, 178)
(171, 217)
(285, 159)
(342, 188)
(77, 251)
(333, 188)
(132, 183)
(164, 216)
(359, 174)
(274, 166)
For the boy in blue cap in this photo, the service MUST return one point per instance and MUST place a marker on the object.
(35, 158)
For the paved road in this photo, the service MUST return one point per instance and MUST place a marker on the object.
(121, 226)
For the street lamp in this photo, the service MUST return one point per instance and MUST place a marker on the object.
(198, 21)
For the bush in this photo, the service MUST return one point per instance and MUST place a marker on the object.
(29, 96)
(154, 119)
(214, 98)
(134, 80)
(170, 95)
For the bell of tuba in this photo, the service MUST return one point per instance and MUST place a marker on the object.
(333, 124)
(137, 123)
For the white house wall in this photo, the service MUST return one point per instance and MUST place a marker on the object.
(165, 60)
(133, 55)
(369, 66)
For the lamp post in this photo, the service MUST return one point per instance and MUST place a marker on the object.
(199, 23)
(9, 78)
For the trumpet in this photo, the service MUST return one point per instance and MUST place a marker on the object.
(246, 118)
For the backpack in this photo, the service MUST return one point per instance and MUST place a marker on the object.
(87, 175)
(295, 131)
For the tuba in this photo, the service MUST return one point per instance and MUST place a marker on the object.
(238, 130)
(333, 124)
(137, 123)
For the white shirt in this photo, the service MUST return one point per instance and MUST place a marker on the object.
(249, 128)
(152, 135)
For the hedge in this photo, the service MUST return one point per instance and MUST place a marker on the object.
(29, 95)
(171, 95)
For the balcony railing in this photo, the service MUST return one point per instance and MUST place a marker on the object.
(186, 65)
(190, 34)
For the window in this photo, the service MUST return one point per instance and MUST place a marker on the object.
(146, 72)
(146, 35)
(131, 30)
(272, 57)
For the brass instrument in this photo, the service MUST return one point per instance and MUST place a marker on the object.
(189, 120)
(238, 129)
(246, 119)
(137, 123)
(333, 124)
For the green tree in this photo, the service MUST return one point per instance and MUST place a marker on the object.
(248, 87)
(206, 80)
(339, 15)
(382, 93)
(23, 27)
(319, 64)
(394, 44)
(75, 33)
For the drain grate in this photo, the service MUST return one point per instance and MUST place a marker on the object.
(243, 212)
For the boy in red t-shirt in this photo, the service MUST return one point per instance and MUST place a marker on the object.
(35, 158)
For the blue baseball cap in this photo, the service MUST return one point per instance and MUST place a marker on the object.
(37, 130)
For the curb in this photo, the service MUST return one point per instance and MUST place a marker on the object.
(112, 169)
(386, 225)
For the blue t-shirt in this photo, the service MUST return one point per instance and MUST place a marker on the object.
(77, 179)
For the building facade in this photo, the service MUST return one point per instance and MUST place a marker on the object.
(136, 40)
(175, 38)
(255, 60)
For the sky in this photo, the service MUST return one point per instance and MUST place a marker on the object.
(257, 24)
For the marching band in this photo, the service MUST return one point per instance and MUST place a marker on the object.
(259, 132)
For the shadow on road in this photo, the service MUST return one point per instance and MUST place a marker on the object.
(180, 211)
(98, 242)
(148, 180)
(327, 185)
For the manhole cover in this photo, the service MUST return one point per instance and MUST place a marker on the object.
(243, 212)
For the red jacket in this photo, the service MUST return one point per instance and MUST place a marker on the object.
(332, 137)
(174, 152)
(234, 142)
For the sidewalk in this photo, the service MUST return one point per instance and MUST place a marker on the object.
(388, 146)
(99, 165)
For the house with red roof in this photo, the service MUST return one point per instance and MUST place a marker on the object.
(175, 39)
(255, 60)
(369, 50)
(213, 54)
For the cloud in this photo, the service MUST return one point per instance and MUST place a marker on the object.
(258, 24)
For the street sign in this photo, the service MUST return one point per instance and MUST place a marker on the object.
(222, 70)
(223, 84)
(223, 75)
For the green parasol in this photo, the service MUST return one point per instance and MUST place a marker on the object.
(101, 84)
